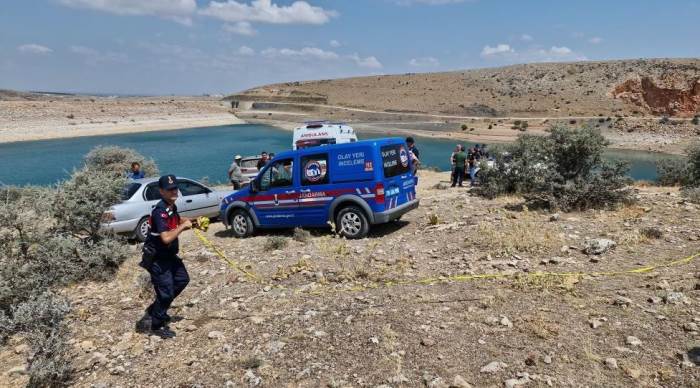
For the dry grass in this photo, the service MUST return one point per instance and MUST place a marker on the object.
(524, 234)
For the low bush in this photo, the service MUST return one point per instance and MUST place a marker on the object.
(301, 235)
(118, 161)
(696, 120)
(562, 171)
(673, 172)
(50, 237)
(275, 242)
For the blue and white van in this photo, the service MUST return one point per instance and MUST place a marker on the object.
(352, 186)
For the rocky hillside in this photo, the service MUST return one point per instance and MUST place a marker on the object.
(655, 87)
(403, 307)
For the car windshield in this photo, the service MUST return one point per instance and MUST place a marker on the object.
(129, 191)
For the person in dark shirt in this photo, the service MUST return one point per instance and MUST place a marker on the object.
(472, 160)
(136, 172)
(460, 161)
(263, 160)
(411, 143)
(168, 273)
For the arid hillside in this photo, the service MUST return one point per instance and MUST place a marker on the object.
(654, 87)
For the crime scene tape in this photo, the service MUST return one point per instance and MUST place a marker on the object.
(321, 289)
(219, 253)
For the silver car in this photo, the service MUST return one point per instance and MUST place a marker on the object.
(141, 196)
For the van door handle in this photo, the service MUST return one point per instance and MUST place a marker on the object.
(305, 190)
(290, 192)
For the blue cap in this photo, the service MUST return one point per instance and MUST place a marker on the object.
(167, 182)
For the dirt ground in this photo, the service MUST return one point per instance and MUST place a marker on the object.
(399, 309)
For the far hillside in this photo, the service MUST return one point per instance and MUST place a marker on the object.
(653, 87)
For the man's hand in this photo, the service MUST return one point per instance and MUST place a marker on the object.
(186, 223)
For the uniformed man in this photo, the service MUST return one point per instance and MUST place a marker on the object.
(168, 273)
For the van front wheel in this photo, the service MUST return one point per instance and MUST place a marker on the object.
(241, 223)
(352, 223)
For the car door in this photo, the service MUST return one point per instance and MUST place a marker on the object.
(314, 188)
(196, 199)
(276, 202)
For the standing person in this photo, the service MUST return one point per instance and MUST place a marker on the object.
(411, 143)
(414, 152)
(453, 164)
(168, 273)
(136, 172)
(472, 160)
(263, 160)
(460, 163)
(235, 175)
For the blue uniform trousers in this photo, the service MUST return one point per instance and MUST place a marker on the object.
(169, 277)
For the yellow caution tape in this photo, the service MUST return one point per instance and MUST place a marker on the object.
(232, 263)
(443, 279)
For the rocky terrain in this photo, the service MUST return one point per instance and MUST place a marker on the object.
(405, 307)
(34, 116)
(627, 99)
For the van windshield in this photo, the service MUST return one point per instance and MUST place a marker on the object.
(395, 160)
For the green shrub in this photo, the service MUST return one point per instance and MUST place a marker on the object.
(562, 171)
(50, 238)
(118, 161)
(301, 235)
(673, 172)
(275, 242)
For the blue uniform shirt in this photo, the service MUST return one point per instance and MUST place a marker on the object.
(136, 175)
(164, 218)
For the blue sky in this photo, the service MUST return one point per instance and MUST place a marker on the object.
(222, 46)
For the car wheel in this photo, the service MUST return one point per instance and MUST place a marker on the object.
(241, 223)
(142, 229)
(352, 223)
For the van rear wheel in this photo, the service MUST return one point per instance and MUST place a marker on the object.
(352, 223)
(241, 223)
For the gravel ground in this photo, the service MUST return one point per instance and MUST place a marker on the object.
(337, 313)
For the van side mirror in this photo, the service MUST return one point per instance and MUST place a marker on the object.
(254, 186)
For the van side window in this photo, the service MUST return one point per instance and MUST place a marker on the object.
(314, 169)
(278, 174)
(395, 160)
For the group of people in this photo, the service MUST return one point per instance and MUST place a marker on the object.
(235, 174)
(466, 162)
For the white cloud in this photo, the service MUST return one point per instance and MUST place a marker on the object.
(428, 2)
(304, 53)
(33, 48)
(245, 50)
(264, 11)
(240, 28)
(370, 62)
(334, 43)
(502, 48)
(562, 51)
(177, 10)
(595, 40)
(95, 57)
(424, 62)
(526, 38)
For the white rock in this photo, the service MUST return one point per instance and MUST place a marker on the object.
(633, 341)
(459, 382)
(215, 334)
(493, 367)
(611, 363)
(598, 246)
(505, 321)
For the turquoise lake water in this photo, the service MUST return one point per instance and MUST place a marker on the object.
(208, 151)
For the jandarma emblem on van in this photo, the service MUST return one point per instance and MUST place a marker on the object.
(313, 171)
